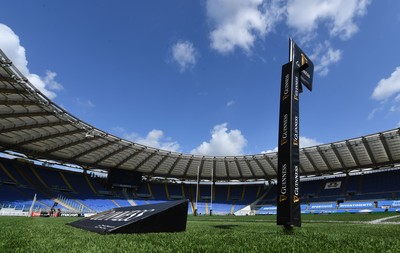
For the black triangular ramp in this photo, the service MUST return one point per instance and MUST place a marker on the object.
(162, 217)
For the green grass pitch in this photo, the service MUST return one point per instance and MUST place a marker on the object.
(319, 233)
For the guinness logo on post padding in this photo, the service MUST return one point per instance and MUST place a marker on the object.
(295, 199)
(286, 89)
(284, 137)
(282, 198)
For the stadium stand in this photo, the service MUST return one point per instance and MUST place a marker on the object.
(362, 192)
(73, 191)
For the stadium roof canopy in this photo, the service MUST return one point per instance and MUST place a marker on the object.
(32, 124)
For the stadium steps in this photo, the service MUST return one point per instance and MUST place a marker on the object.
(213, 190)
(243, 192)
(33, 182)
(30, 181)
(183, 191)
(70, 204)
(198, 192)
(115, 203)
(87, 208)
(255, 203)
(253, 206)
(127, 197)
(150, 190)
(232, 208)
(166, 191)
(145, 191)
(134, 194)
(258, 191)
(90, 184)
(346, 182)
(80, 203)
(191, 198)
(66, 181)
(29, 196)
(38, 177)
(8, 173)
(361, 189)
(321, 187)
(41, 189)
(236, 192)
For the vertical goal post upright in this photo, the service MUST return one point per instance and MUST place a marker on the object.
(298, 71)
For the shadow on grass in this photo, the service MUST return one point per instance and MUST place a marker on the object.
(225, 226)
(287, 231)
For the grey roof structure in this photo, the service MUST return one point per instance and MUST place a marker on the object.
(32, 124)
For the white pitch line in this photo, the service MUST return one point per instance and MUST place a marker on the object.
(383, 219)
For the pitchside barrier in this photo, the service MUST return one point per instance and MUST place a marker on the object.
(322, 206)
(389, 204)
(162, 217)
(12, 212)
(347, 207)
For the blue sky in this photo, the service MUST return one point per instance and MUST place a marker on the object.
(203, 77)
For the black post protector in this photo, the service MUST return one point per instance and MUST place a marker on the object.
(299, 70)
(163, 217)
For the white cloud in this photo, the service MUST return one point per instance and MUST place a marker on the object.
(339, 15)
(387, 92)
(155, 139)
(10, 44)
(237, 23)
(371, 115)
(394, 108)
(397, 98)
(84, 104)
(324, 56)
(223, 142)
(230, 103)
(270, 150)
(240, 23)
(388, 87)
(308, 142)
(184, 54)
(304, 142)
(50, 82)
